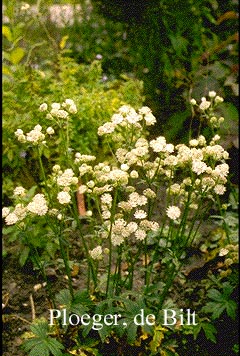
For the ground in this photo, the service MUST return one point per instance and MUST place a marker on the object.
(24, 297)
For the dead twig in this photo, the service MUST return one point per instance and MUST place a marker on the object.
(5, 300)
(32, 307)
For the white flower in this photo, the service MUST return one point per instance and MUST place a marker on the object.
(107, 128)
(38, 205)
(171, 161)
(193, 142)
(132, 227)
(96, 253)
(56, 168)
(62, 114)
(43, 107)
(201, 140)
(223, 252)
(124, 167)
(106, 199)
(66, 178)
(69, 102)
(25, 7)
(106, 214)
(173, 212)
(218, 99)
(20, 211)
(11, 219)
(134, 174)
(82, 189)
(150, 119)
(18, 132)
(117, 240)
(70, 106)
(149, 193)
(136, 199)
(193, 102)
(140, 214)
(212, 94)
(175, 188)
(117, 119)
(169, 148)
(199, 166)
(5, 212)
(204, 104)
(222, 170)
(55, 106)
(89, 213)
(118, 176)
(144, 110)
(50, 131)
(219, 189)
(149, 225)
(64, 197)
(19, 191)
(35, 136)
(140, 234)
(159, 144)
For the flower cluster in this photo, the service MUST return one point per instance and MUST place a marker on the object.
(59, 110)
(126, 188)
(207, 107)
(37, 206)
(35, 136)
(127, 117)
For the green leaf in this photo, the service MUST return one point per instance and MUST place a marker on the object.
(40, 328)
(231, 308)
(54, 346)
(104, 332)
(6, 70)
(131, 332)
(7, 33)
(215, 295)
(209, 331)
(24, 255)
(64, 299)
(39, 349)
(42, 344)
(16, 55)
(196, 330)
(63, 42)
(157, 338)
(216, 309)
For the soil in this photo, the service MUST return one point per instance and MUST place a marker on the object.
(24, 297)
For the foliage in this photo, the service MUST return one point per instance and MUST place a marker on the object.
(41, 343)
(175, 57)
(121, 192)
(84, 165)
(26, 86)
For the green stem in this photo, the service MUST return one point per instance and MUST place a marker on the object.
(89, 259)
(146, 274)
(39, 264)
(171, 273)
(118, 270)
(222, 213)
(43, 173)
(110, 242)
(65, 257)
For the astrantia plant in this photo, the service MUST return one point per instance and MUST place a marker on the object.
(146, 200)
(135, 211)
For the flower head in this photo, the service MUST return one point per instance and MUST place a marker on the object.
(173, 212)
(38, 205)
(64, 197)
(19, 191)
